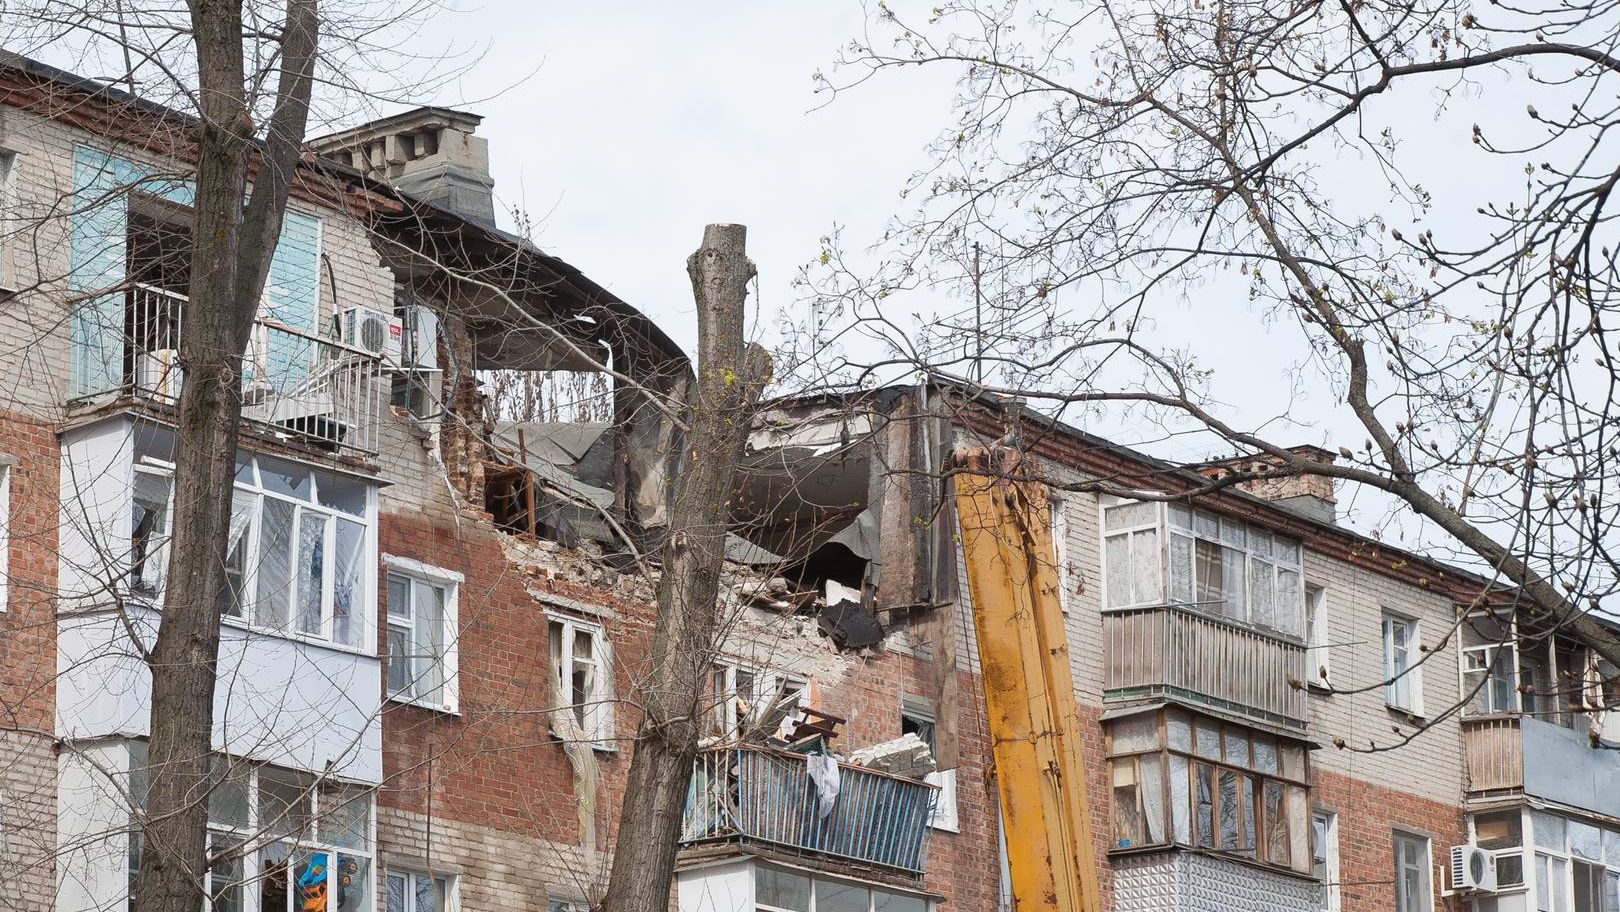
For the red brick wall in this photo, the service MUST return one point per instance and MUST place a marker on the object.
(1368, 815)
(28, 627)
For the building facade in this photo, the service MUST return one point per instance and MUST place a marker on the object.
(440, 606)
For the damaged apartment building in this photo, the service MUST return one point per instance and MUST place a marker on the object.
(451, 486)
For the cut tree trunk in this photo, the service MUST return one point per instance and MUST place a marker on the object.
(730, 376)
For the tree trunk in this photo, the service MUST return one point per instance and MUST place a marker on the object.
(730, 376)
(231, 249)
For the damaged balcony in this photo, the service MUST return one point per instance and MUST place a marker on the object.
(297, 387)
(767, 798)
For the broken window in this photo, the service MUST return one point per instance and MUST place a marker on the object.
(744, 701)
(579, 659)
(421, 634)
(917, 717)
(1489, 663)
(148, 531)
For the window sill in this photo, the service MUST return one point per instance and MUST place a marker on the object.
(1412, 717)
(1320, 688)
(439, 708)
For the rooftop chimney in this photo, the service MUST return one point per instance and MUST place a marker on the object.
(1308, 495)
(430, 153)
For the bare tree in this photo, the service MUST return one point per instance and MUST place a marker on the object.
(730, 375)
(1109, 161)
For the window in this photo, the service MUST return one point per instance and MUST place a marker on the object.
(1402, 676)
(1316, 636)
(567, 905)
(1060, 554)
(298, 557)
(745, 698)
(412, 386)
(5, 530)
(917, 717)
(1501, 833)
(9, 222)
(1222, 566)
(315, 836)
(1489, 665)
(409, 891)
(779, 890)
(1325, 856)
(1131, 555)
(1412, 890)
(422, 633)
(579, 659)
(1202, 782)
(1577, 863)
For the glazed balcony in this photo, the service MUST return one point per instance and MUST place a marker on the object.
(1510, 754)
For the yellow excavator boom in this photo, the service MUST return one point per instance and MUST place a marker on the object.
(1028, 688)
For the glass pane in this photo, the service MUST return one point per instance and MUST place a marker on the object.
(1246, 839)
(429, 645)
(1127, 817)
(1278, 840)
(1209, 740)
(1548, 830)
(275, 564)
(895, 902)
(233, 596)
(1179, 730)
(1181, 569)
(1204, 809)
(1151, 775)
(395, 899)
(312, 879)
(148, 531)
(1585, 840)
(1265, 754)
(1299, 828)
(353, 884)
(1210, 575)
(1290, 603)
(1117, 557)
(349, 584)
(442, 885)
(1262, 593)
(275, 890)
(775, 887)
(228, 802)
(1286, 551)
(1135, 733)
(1260, 543)
(1237, 747)
(582, 645)
(424, 893)
(1180, 517)
(1232, 533)
(399, 664)
(1149, 588)
(345, 816)
(244, 470)
(225, 881)
(1234, 590)
(1293, 761)
(1208, 526)
(284, 802)
(1129, 516)
(284, 478)
(1227, 782)
(340, 493)
(311, 571)
(399, 597)
(1179, 811)
(832, 896)
(1498, 831)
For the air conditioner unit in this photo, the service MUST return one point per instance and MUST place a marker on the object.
(372, 331)
(1473, 869)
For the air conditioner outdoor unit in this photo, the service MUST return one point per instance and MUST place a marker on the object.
(1473, 869)
(373, 331)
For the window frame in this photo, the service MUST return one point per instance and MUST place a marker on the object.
(813, 878)
(1318, 654)
(942, 814)
(8, 467)
(598, 716)
(417, 573)
(1491, 652)
(1425, 845)
(1059, 524)
(725, 723)
(1325, 844)
(451, 899)
(10, 159)
(1411, 677)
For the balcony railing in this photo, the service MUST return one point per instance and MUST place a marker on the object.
(748, 794)
(295, 385)
(1493, 753)
(1175, 651)
(1568, 765)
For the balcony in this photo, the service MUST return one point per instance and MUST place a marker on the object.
(1510, 754)
(305, 390)
(1176, 651)
(750, 795)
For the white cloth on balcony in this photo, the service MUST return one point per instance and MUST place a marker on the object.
(824, 773)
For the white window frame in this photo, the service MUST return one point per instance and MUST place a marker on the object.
(7, 466)
(598, 711)
(452, 898)
(1060, 551)
(1325, 840)
(1425, 902)
(1489, 654)
(1411, 677)
(363, 601)
(1318, 656)
(418, 573)
(813, 877)
(767, 684)
(942, 814)
(1132, 534)
(9, 222)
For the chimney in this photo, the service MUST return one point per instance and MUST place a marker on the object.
(430, 153)
(1310, 496)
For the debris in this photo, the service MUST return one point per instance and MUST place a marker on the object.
(907, 755)
(851, 625)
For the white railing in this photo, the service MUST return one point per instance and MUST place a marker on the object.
(1173, 650)
(296, 385)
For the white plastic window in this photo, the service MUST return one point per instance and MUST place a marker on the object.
(1317, 654)
(1413, 892)
(1402, 676)
(421, 634)
(580, 659)
(414, 891)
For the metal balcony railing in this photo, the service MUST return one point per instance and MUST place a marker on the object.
(750, 794)
(316, 391)
(1173, 650)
